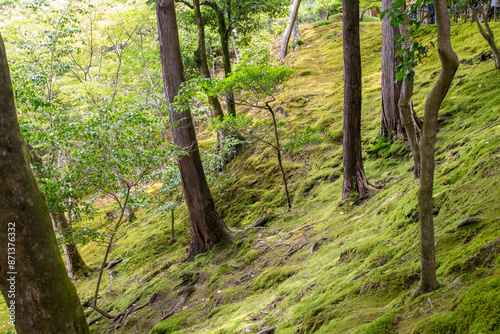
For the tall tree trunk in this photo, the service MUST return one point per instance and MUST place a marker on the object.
(405, 109)
(74, 261)
(207, 227)
(449, 65)
(354, 174)
(391, 122)
(202, 59)
(288, 30)
(33, 280)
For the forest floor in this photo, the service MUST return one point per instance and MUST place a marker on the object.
(329, 266)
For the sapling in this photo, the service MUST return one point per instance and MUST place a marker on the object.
(256, 87)
(121, 151)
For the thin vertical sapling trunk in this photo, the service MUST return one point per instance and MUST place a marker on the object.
(255, 84)
(278, 154)
(449, 65)
(121, 220)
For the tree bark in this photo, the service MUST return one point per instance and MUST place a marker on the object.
(288, 30)
(278, 154)
(405, 109)
(488, 36)
(45, 300)
(449, 65)
(391, 122)
(354, 174)
(74, 261)
(224, 34)
(295, 35)
(202, 59)
(207, 227)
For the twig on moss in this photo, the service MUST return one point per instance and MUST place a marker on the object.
(470, 134)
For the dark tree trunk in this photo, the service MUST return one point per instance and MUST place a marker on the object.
(449, 65)
(224, 34)
(45, 299)
(354, 174)
(74, 261)
(207, 227)
(391, 122)
(288, 30)
(278, 154)
(202, 59)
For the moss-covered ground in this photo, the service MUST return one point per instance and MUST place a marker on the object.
(297, 272)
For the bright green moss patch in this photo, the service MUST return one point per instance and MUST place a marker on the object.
(382, 325)
(273, 276)
(170, 325)
(477, 312)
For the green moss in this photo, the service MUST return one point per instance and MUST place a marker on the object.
(382, 325)
(169, 325)
(251, 256)
(477, 312)
(273, 276)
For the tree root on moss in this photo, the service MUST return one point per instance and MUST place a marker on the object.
(185, 295)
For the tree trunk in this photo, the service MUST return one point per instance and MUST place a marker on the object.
(354, 174)
(74, 261)
(405, 109)
(449, 65)
(278, 153)
(202, 59)
(226, 58)
(207, 227)
(33, 279)
(295, 35)
(391, 122)
(288, 30)
(488, 36)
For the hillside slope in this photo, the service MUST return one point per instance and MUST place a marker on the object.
(330, 266)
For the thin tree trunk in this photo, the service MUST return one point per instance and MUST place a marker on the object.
(173, 225)
(354, 174)
(288, 30)
(207, 227)
(233, 42)
(74, 261)
(405, 109)
(202, 59)
(278, 153)
(391, 122)
(449, 65)
(34, 283)
(226, 57)
(295, 35)
(488, 36)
